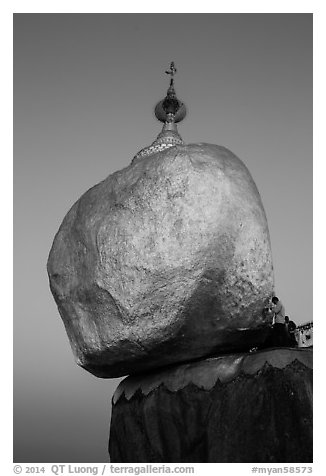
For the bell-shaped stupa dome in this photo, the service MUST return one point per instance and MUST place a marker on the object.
(169, 111)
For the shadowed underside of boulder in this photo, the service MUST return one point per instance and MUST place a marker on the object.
(165, 261)
(244, 408)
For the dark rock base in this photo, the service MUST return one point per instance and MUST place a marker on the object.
(249, 408)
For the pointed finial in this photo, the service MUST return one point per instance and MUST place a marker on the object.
(172, 70)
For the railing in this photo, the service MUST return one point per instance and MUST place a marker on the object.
(304, 334)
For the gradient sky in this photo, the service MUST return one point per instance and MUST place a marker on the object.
(84, 90)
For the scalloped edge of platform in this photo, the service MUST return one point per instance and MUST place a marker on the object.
(205, 373)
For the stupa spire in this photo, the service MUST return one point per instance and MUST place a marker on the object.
(169, 110)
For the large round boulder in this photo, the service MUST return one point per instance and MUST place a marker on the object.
(165, 261)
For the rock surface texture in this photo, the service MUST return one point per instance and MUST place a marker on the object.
(165, 261)
(249, 408)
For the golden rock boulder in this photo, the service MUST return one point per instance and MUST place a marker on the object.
(165, 261)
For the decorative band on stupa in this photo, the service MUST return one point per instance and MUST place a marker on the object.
(169, 110)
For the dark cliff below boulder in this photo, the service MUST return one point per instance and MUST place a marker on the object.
(240, 408)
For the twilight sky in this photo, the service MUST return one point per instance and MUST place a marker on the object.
(84, 90)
